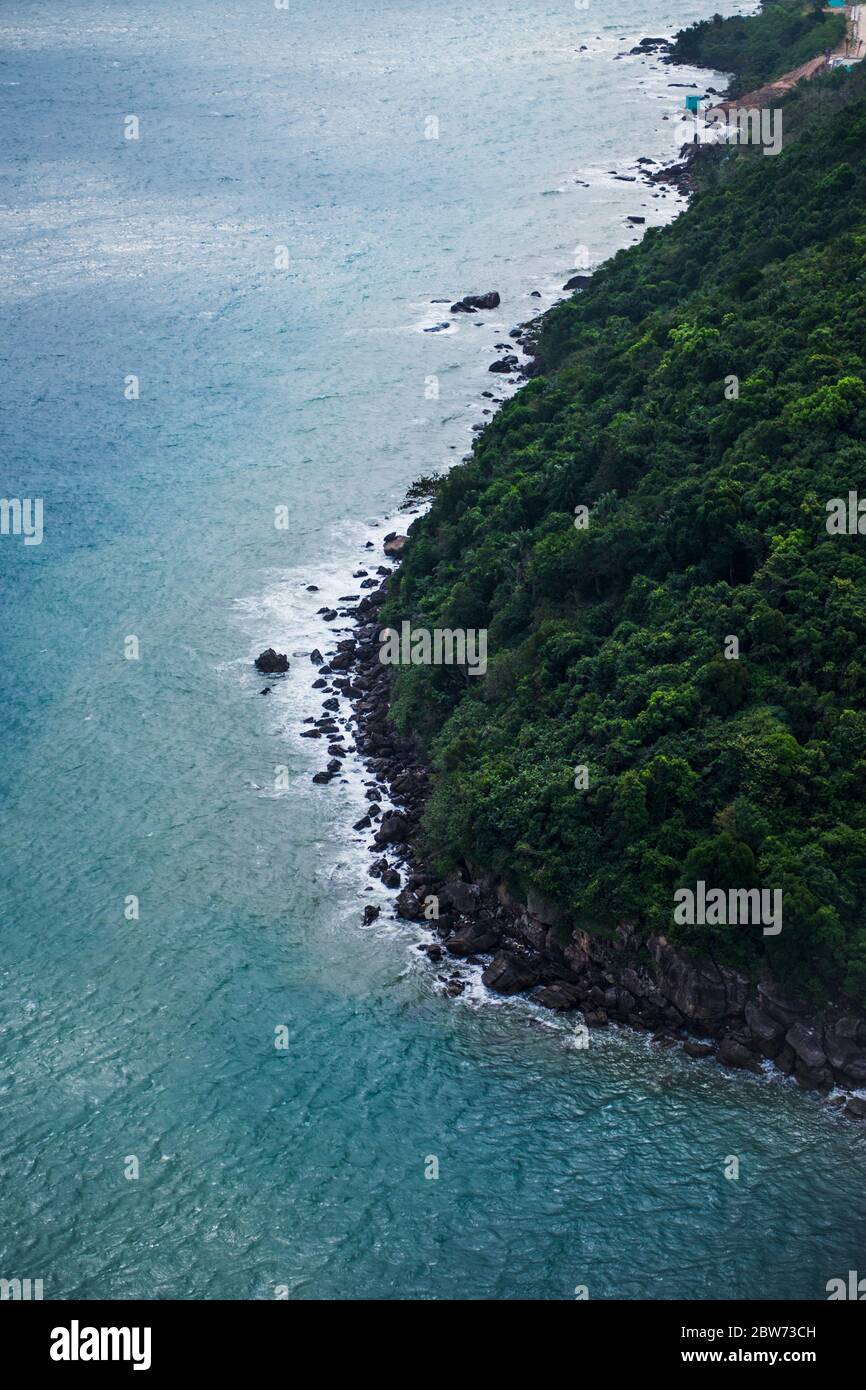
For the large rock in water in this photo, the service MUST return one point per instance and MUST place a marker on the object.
(393, 830)
(475, 938)
(271, 662)
(470, 302)
(393, 546)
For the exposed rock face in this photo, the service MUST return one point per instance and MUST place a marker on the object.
(505, 364)
(734, 1053)
(393, 545)
(507, 974)
(408, 906)
(475, 938)
(460, 896)
(699, 991)
(470, 302)
(271, 663)
(768, 1034)
(578, 282)
(394, 828)
(558, 996)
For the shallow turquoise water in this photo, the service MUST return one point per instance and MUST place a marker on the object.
(305, 387)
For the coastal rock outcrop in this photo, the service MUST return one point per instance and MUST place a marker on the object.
(471, 302)
(507, 974)
(393, 545)
(272, 663)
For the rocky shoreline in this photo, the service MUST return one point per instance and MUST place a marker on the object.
(526, 947)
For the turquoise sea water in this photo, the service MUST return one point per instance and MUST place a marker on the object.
(306, 387)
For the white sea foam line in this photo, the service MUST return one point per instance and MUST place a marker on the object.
(290, 606)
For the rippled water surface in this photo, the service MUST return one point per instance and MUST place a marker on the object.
(305, 387)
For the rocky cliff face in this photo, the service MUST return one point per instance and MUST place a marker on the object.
(645, 983)
(529, 947)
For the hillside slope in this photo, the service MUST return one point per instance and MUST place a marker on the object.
(707, 503)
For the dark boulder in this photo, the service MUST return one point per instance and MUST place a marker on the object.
(507, 974)
(470, 302)
(475, 938)
(844, 1040)
(393, 545)
(767, 1033)
(733, 1053)
(559, 996)
(271, 663)
(779, 1006)
(806, 1044)
(703, 993)
(408, 906)
(459, 896)
(393, 830)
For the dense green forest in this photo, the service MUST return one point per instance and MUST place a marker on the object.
(759, 48)
(707, 519)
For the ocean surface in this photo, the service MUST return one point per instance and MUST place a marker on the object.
(264, 258)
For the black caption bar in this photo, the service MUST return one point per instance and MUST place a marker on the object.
(161, 1339)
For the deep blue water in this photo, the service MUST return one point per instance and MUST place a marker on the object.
(307, 387)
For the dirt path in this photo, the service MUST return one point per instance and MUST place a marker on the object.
(854, 46)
